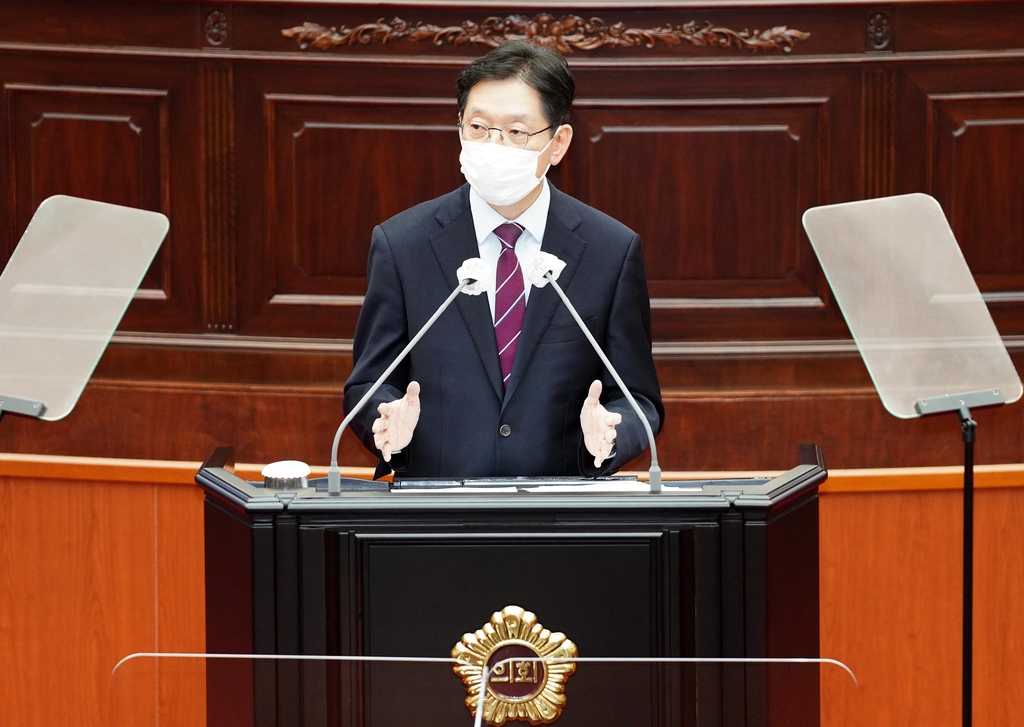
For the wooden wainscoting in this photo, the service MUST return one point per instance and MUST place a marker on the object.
(891, 597)
(274, 144)
(101, 558)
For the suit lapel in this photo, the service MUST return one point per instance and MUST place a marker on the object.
(563, 243)
(452, 245)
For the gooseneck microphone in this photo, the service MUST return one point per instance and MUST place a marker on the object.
(545, 268)
(472, 276)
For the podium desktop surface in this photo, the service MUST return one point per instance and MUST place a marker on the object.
(701, 569)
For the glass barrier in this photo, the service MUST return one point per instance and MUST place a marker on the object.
(520, 687)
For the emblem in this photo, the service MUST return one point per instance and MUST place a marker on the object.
(519, 686)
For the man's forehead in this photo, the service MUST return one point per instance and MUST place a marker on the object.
(511, 99)
(483, 110)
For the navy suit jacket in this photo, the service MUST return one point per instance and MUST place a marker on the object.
(411, 270)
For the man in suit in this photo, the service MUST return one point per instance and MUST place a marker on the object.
(505, 384)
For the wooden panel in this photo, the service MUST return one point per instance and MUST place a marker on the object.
(706, 205)
(727, 162)
(972, 128)
(181, 696)
(118, 23)
(333, 184)
(891, 608)
(957, 26)
(740, 429)
(101, 557)
(339, 167)
(693, 157)
(890, 595)
(188, 422)
(101, 144)
(92, 571)
(981, 198)
(125, 140)
(998, 596)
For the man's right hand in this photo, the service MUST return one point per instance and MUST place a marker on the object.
(393, 429)
(598, 425)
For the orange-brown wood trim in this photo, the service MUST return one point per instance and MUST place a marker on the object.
(143, 471)
(96, 469)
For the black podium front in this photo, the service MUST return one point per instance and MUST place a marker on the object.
(705, 569)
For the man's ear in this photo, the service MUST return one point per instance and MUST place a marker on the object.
(560, 144)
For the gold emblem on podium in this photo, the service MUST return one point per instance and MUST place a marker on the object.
(519, 686)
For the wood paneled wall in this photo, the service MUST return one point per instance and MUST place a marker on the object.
(99, 560)
(891, 598)
(103, 558)
(275, 134)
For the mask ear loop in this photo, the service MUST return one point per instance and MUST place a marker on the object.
(551, 140)
(548, 167)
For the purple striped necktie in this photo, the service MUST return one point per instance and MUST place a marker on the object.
(509, 297)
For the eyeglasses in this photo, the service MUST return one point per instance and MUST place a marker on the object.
(508, 135)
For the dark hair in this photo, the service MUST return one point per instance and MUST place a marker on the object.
(543, 69)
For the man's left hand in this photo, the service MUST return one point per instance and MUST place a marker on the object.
(598, 425)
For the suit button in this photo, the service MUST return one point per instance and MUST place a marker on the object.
(504, 430)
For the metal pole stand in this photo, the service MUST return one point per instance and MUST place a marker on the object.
(968, 427)
(961, 403)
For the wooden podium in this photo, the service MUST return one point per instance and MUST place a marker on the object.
(718, 569)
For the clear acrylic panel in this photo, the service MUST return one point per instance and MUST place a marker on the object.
(63, 293)
(910, 301)
(196, 689)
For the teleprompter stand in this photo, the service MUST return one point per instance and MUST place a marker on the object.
(14, 405)
(63, 293)
(922, 328)
(960, 404)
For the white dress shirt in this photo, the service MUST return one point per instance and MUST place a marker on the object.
(486, 219)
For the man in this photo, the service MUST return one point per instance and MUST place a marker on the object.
(505, 384)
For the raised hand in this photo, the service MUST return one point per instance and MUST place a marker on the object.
(393, 429)
(598, 425)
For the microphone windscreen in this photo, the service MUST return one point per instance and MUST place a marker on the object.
(475, 270)
(542, 264)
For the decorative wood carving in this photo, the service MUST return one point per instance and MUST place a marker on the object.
(216, 28)
(879, 32)
(564, 34)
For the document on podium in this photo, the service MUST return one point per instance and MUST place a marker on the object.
(533, 485)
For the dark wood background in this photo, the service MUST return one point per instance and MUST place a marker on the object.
(273, 162)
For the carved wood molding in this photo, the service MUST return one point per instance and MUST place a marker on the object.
(216, 29)
(879, 157)
(565, 34)
(219, 283)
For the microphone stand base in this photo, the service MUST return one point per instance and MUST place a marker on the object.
(655, 475)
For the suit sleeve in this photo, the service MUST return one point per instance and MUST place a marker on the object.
(628, 347)
(381, 334)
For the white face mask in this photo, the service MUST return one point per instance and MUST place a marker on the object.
(501, 175)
